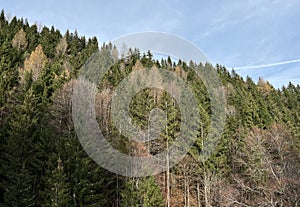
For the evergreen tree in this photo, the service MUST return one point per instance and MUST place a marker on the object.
(42, 162)
(20, 190)
(142, 192)
(57, 192)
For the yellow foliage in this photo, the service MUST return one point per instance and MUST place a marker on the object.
(138, 65)
(180, 72)
(263, 86)
(36, 62)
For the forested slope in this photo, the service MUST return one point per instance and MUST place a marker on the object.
(256, 163)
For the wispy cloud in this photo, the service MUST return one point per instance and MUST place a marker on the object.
(232, 33)
(267, 65)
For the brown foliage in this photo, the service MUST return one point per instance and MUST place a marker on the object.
(268, 174)
(263, 86)
(62, 46)
(19, 41)
(138, 65)
(62, 107)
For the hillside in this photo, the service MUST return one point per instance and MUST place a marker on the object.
(42, 163)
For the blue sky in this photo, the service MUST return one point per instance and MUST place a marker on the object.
(233, 33)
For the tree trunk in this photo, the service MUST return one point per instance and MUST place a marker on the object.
(185, 187)
(198, 195)
(168, 176)
(188, 195)
(206, 190)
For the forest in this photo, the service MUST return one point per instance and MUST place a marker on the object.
(42, 162)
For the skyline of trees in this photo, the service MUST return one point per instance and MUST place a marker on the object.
(42, 163)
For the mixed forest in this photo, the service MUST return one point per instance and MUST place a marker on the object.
(42, 163)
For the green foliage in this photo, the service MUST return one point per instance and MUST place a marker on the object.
(20, 192)
(142, 192)
(57, 191)
(42, 162)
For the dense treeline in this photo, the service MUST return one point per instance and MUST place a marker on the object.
(256, 163)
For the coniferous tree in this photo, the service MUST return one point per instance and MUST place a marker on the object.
(256, 160)
(36, 62)
(20, 190)
(142, 192)
(57, 192)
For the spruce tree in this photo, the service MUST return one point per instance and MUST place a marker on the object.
(20, 189)
(57, 192)
(142, 192)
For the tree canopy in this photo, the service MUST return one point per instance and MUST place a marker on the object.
(42, 163)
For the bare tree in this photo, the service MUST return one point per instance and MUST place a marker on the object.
(62, 46)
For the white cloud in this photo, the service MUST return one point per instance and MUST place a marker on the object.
(268, 64)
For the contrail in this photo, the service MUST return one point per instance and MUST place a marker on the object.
(268, 65)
